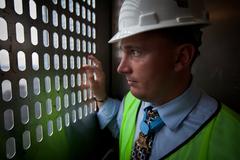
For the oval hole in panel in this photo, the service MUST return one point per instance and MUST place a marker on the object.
(36, 86)
(59, 123)
(39, 133)
(58, 103)
(55, 18)
(72, 80)
(71, 6)
(79, 79)
(89, 15)
(85, 110)
(44, 14)
(89, 31)
(64, 42)
(34, 35)
(84, 61)
(4, 60)
(3, 30)
(79, 113)
(84, 47)
(6, 90)
(26, 140)
(24, 114)
(89, 93)
(47, 84)
(64, 62)
(78, 62)
(50, 128)
(84, 78)
(83, 12)
(90, 108)
(46, 61)
(78, 29)
(45, 38)
(93, 18)
(33, 9)
(93, 3)
(20, 32)
(89, 2)
(65, 81)
(18, 7)
(38, 110)
(89, 47)
(55, 40)
(2, 4)
(84, 29)
(56, 62)
(10, 148)
(71, 27)
(49, 106)
(71, 43)
(66, 101)
(54, 1)
(67, 120)
(23, 92)
(63, 4)
(72, 62)
(57, 83)
(35, 61)
(21, 61)
(64, 24)
(74, 116)
(94, 48)
(77, 9)
(73, 96)
(78, 45)
(94, 33)
(79, 96)
(8, 119)
(85, 94)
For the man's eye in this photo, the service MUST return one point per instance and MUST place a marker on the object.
(135, 53)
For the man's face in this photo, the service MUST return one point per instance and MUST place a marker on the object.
(147, 61)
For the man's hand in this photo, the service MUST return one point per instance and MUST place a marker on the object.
(96, 79)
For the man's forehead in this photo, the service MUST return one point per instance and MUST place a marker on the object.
(142, 39)
(130, 45)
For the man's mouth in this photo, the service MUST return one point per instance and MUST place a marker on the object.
(131, 82)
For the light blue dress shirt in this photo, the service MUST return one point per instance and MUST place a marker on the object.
(182, 116)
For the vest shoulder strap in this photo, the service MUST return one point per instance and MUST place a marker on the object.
(128, 125)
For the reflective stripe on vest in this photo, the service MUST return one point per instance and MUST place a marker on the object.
(128, 126)
(218, 139)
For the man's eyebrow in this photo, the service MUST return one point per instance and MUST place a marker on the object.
(129, 47)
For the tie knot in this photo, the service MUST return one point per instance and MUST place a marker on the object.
(150, 114)
(151, 121)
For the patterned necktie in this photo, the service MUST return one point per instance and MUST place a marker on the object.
(151, 123)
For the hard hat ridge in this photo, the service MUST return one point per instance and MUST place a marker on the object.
(137, 16)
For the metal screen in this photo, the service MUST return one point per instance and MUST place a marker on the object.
(43, 45)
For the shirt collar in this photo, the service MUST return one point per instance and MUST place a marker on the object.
(174, 112)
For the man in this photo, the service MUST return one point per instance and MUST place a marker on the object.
(164, 116)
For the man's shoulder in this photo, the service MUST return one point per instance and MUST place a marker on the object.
(229, 115)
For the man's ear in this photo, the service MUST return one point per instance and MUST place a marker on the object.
(184, 56)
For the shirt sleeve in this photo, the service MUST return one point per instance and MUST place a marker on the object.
(107, 115)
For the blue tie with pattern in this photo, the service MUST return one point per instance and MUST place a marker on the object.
(150, 124)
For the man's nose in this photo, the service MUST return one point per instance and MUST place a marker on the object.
(124, 66)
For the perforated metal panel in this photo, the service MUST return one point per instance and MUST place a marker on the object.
(43, 45)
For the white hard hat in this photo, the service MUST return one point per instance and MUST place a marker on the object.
(137, 16)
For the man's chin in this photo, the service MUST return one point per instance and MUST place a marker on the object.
(137, 93)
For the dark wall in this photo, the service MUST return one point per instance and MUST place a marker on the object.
(217, 70)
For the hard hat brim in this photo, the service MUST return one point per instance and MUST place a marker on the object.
(131, 31)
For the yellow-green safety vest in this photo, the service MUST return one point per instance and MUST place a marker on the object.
(218, 138)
